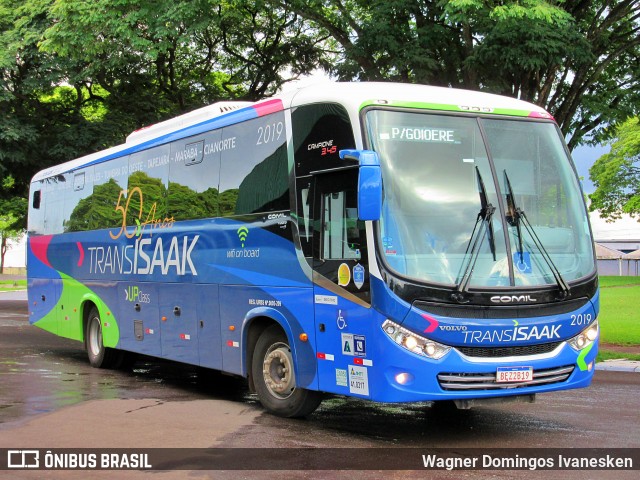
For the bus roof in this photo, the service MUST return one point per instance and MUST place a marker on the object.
(354, 96)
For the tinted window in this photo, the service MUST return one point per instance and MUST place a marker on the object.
(36, 209)
(99, 211)
(319, 133)
(147, 191)
(54, 191)
(254, 169)
(341, 227)
(77, 201)
(194, 172)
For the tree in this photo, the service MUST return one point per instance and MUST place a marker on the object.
(77, 76)
(8, 232)
(182, 54)
(616, 175)
(12, 212)
(578, 59)
(42, 122)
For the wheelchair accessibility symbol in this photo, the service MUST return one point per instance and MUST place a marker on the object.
(341, 320)
(522, 262)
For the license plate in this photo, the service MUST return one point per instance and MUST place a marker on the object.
(514, 374)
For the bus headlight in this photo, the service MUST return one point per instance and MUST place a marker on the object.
(413, 342)
(585, 337)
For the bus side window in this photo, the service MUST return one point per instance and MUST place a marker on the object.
(320, 131)
(254, 170)
(37, 195)
(341, 232)
(36, 210)
(56, 189)
(78, 202)
(306, 233)
(110, 180)
(147, 185)
(194, 174)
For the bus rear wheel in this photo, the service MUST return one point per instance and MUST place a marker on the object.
(99, 355)
(274, 377)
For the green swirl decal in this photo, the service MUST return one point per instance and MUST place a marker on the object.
(582, 365)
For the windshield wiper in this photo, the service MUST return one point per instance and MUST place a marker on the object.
(477, 239)
(515, 216)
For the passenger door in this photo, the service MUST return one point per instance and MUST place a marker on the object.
(341, 278)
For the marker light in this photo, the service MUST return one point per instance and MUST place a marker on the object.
(413, 342)
(585, 337)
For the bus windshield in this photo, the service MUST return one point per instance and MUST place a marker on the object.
(442, 174)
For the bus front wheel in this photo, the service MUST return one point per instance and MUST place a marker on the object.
(274, 377)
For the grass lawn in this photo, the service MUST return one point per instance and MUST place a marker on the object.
(606, 282)
(620, 310)
(609, 355)
(619, 314)
(9, 285)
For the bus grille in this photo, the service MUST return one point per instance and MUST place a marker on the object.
(487, 381)
(494, 352)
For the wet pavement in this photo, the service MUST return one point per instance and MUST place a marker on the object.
(40, 372)
(48, 392)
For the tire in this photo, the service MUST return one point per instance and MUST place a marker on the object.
(274, 378)
(99, 355)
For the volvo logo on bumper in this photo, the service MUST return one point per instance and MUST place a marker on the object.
(513, 299)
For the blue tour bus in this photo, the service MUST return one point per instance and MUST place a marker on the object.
(396, 243)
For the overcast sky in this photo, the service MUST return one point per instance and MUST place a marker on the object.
(584, 157)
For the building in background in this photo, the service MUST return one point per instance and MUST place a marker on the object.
(617, 245)
(15, 258)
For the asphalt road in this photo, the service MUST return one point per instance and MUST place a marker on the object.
(51, 398)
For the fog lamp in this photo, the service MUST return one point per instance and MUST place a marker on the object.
(404, 378)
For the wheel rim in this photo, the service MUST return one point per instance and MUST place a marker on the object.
(95, 336)
(277, 371)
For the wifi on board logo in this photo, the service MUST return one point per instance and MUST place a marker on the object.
(243, 233)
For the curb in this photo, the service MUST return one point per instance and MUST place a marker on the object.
(619, 365)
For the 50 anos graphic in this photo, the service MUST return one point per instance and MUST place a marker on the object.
(140, 225)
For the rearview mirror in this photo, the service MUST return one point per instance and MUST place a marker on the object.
(369, 182)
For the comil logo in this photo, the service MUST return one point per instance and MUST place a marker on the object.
(23, 459)
(243, 233)
(513, 299)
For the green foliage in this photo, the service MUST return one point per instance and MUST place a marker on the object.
(98, 210)
(150, 204)
(77, 76)
(12, 212)
(580, 60)
(616, 175)
(13, 209)
(227, 202)
(187, 204)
